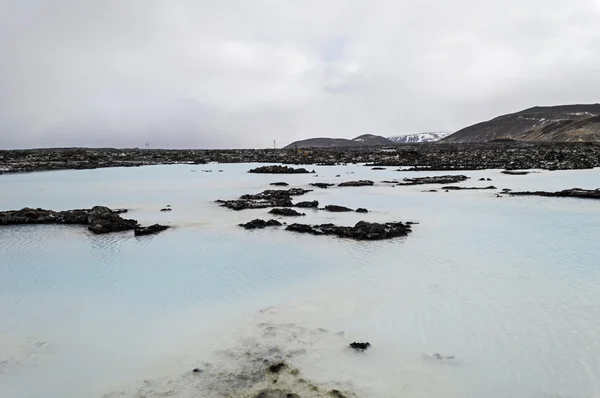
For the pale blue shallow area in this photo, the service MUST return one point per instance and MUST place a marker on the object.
(509, 286)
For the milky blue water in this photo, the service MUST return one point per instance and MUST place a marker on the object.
(508, 286)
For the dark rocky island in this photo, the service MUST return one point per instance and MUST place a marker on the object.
(567, 193)
(337, 209)
(151, 230)
(447, 179)
(286, 212)
(455, 188)
(359, 183)
(308, 205)
(321, 185)
(361, 231)
(260, 224)
(279, 170)
(268, 198)
(99, 219)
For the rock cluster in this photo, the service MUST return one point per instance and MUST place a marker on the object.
(268, 198)
(361, 231)
(99, 219)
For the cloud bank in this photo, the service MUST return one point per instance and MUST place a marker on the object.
(220, 74)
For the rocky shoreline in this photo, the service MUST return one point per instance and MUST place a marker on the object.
(438, 156)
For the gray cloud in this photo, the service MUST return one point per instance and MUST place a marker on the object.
(242, 73)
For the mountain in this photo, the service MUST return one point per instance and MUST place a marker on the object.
(566, 123)
(419, 137)
(370, 139)
(363, 140)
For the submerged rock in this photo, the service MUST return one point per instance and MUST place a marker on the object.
(378, 168)
(152, 229)
(286, 212)
(567, 193)
(360, 346)
(359, 183)
(446, 179)
(260, 224)
(279, 184)
(337, 209)
(362, 210)
(361, 231)
(166, 209)
(279, 170)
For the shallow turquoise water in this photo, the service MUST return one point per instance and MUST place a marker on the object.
(509, 286)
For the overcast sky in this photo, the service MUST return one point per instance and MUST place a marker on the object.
(210, 74)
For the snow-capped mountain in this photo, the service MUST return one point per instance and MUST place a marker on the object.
(419, 137)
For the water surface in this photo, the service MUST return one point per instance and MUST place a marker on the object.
(508, 286)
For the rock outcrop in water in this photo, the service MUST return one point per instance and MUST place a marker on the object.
(567, 193)
(279, 184)
(268, 198)
(515, 172)
(151, 230)
(361, 231)
(308, 205)
(99, 219)
(321, 185)
(446, 179)
(286, 212)
(260, 224)
(455, 188)
(279, 170)
(359, 183)
(360, 346)
(337, 209)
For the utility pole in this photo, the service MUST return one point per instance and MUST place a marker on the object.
(147, 145)
(274, 144)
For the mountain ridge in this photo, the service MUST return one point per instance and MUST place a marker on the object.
(560, 123)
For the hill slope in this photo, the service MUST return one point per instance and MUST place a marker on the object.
(565, 123)
(419, 137)
(363, 140)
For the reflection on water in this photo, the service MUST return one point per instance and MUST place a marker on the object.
(508, 286)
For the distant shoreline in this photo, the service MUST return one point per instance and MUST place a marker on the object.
(434, 156)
